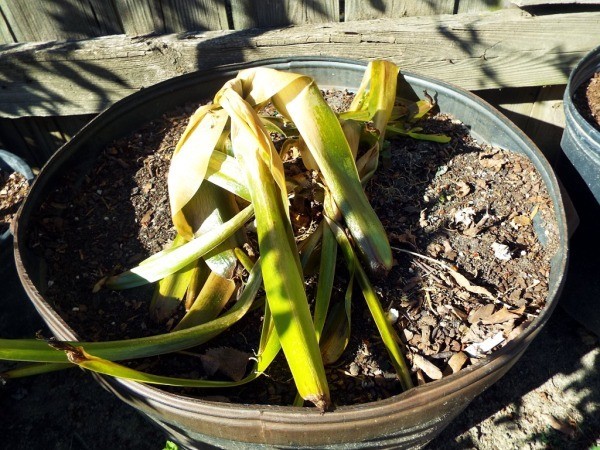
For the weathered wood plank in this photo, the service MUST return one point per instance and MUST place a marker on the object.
(537, 111)
(525, 3)
(140, 17)
(194, 15)
(547, 121)
(502, 49)
(11, 140)
(275, 13)
(365, 10)
(6, 36)
(70, 125)
(46, 20)
(470, 6)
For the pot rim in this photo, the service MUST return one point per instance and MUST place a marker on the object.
(287, 414)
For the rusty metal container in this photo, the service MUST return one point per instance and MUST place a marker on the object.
(409, 420)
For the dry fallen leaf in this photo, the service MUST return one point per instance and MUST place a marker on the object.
(520, 221)
(429, 368)
(478, 349)
(226, 360)
(449, 252)
(457, 361)
(145, 220)
(472, 231)
(481, 313)
(565, 428)
(466, 284)
(463, 189)
(503, 315)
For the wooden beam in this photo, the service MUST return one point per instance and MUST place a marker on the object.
(362, 10)
(278, 13)
(526, 3)
(488, 50)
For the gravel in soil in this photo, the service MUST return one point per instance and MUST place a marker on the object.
(470, 270)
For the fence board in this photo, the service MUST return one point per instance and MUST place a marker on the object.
(470, 6)
(537, 111)
(374, 9)
(47, 20)
(272, 13)
(140, 17)
(525, 3)
(11, 140)
(6, 36)
(186, 15)
(481, 51)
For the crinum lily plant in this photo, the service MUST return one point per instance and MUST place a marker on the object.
(227, 173)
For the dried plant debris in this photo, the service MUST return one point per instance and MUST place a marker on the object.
(587, 100)
(469, 274)
(13, 189)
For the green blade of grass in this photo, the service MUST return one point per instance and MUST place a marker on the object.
(224, 171)
(79, 356)
(34, 369)
(210, 208)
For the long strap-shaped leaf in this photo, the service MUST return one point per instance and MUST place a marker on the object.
(324, 137)
(190, 162)
(171, 260)
(39, 351)
(376, 95)
(387, 333)
(298, 98)
(283, 280)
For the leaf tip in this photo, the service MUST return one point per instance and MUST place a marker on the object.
(321, 401)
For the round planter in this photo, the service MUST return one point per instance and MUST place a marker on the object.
(10, 162)
(404, 421)
(581, 141)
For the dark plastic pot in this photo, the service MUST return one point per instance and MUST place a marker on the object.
(407, 420)
(12, 163)
(581, 141)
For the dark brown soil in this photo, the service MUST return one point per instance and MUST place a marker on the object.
(587, 100)
(467, 213)
(13, 189)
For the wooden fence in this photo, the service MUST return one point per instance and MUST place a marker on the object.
(63, 61)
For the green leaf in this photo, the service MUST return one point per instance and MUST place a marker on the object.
(170, 291)
(171, 446)
(326, 278)
(439, 138)
(213, 297)
(386, 331)
(38, 351)
(171, 260)
(283, 280)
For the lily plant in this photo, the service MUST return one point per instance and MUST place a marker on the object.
(226, 176)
